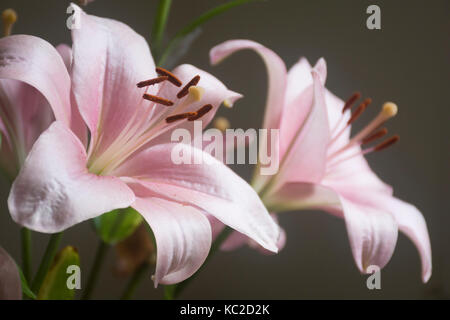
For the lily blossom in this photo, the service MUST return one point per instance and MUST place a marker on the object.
(127, 161)
(323, 167)
(28, 101)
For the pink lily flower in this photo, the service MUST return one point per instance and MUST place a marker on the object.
(323, 167)
(127, 161)
(28, 102)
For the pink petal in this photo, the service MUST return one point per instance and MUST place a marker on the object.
(276, 71)
(26, 114)
(306, 159)
(372, 231)
(410, 221)
(210, 186)
(66, 54)
(109, 59)
(298, 102)
(54, 190)
(10, 284)
(372, 234)
(280, 243)
(301, 196)
(77, 123)
(354, 177)
(183, 237)
(34, 61)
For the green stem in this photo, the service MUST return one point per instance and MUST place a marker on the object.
(26, 253)
(134, 281)
(172, 292)
(47, 259)
(93, 275)
(162, 14)
(195, 24)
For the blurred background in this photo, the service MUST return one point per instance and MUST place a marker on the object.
(407, 61)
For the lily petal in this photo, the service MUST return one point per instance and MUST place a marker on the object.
(77, 125)
(372, 234)
(301, 196)
(410, 221)
(109, 59)
(354, 177)
(210, 186)
(309, 149)
(25, 114)
(10, 284)
(182, 233)
(54, 190)
(276, 71)
(36, 62)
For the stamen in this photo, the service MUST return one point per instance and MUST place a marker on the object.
(152, 81)
(183, 92)
(375, 136)
(157, 99)
(180, 116)
(390, 109)
(349, 103)
(387, 143)
(9, 17)
(359, 111)
(196, 93)
(221, 123)
(200, 112)
(227, 103)
(172, 78)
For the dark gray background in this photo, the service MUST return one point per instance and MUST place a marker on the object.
(406, 61)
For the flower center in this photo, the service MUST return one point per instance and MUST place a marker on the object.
(161, 115)
(338, 152)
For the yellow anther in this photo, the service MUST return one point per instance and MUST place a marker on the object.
(221, 123)
(196, 93)
(9, 17)
(227, 103)
(390, 109)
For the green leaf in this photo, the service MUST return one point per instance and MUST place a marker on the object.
(162, 14)
(197, 23)
(55, 285)
(25, 287)
(117, 225)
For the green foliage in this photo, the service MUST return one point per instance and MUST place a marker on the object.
(117, 225)
(55, 285)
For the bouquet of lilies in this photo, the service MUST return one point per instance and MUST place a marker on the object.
(87, 133)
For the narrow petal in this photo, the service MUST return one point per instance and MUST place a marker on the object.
(410, 221)
(77, 125)
(372, 234)
(237, 240)
(306, 158)
(25, 115)
(210, 186)
(54, 190)
(354, 177)
(302, 196)
(36, 62)
(10, 284)
(276, 71)
(109, 59)
(299, 98)
(182, 233)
